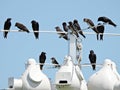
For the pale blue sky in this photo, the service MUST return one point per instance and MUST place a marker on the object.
(19, 47)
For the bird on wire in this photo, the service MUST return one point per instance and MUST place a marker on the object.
(92, 58)
(78, 28)
(42, 59)
(55, 62)
(106, 20)
(72, 28)
(7, 26)
(91, 24)
(65, 27)
(100, 28)
(35, 27)
(60, 32)
(22, 27)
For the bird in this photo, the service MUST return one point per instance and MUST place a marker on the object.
(72, 28)
(106, 20)
(54, 61)
(100, 28)
(92, 58)
(21, 27)
(60, 32)
(91, 24)
(42, 59)
(78, 28)
(35, 27)
(65, 27)
(7, 26)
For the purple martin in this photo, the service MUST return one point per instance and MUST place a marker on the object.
(72, 28)
(21, 27)
(7, 26)
(107, 20)
(35, 27)
(91, 24)
(65, 27)
(54, 61)
(60, 32)
(100, 29)
(78, 28)
(92, 58)
(42, 59)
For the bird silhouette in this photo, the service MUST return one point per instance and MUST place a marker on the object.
(21, 27)
(65, 27)
(54, 61)
(100, 28)
(60, 32)
(92, 58)
(78, 28)
(7, 26)
(42, 59)
(35, 27)
(72, 28)
(107, 20)
(91, 24)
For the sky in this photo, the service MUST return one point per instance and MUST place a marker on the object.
(20, 46)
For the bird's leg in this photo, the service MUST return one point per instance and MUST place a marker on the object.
(21, 30)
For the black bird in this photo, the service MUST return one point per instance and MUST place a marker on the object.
(92, 58)
(42, 59)
(78, 28)
(35, 27)
(72, 28)
(63, 35)
(91, 24)
(7, 26)
(107, 20)
(21, 27)
(65, 27)
(100, 29)
(54, 61)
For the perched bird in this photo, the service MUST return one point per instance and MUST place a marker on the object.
(72, 28)
(54, 61)
(42, 59)
(65, 27)
(78, 28)
(35, 27)
(91, 24)
(21, 27)
(100, 29)
(63, 35)
(7, 26)
(92, 58)
(107, 20)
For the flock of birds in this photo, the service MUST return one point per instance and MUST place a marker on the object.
(73, 26)
(42, 58)
(22, 27)
(76, 29)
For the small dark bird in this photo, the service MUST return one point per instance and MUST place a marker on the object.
(91, 24)
(54, 61)
(42, 59)
(21, 27)
(100, 29)
(72, 28)
(65, 27)
(7, 26)
(107, 20)
(35, 27)
(92, 58)
(63, 35)
(78, 28)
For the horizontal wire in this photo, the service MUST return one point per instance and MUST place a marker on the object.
(89, 33)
